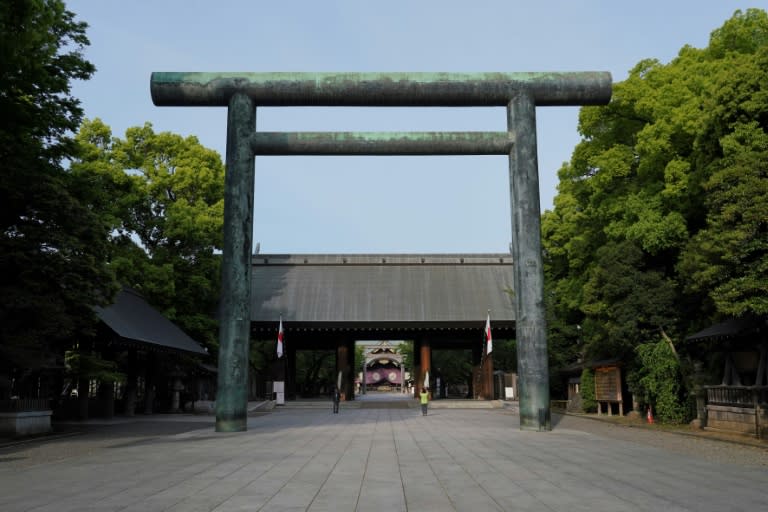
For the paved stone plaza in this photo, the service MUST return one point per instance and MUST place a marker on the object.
(379, 460)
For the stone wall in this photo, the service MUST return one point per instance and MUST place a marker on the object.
(732, 419)
(28, 423)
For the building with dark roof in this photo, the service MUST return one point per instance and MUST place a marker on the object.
(330, 301)
(137, 324)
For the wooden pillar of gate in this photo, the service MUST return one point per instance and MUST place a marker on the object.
(425, 353)
(416, 375)
(344, 354)
(289, 371)
(486, 373)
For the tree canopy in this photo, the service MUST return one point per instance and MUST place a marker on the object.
(163, 195)
(660, 225)
(53, 245)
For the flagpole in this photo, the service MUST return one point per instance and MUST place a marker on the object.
(486, 367)
(280, 336)
(489, 342)
(282, 365)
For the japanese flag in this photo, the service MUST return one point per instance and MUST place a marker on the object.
(488, 339)
(280, 340)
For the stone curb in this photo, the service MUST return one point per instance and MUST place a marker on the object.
(734, 438)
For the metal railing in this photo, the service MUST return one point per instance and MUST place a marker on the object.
(24, 404)
(737, 396)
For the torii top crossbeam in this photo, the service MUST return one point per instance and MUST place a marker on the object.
(380, 89)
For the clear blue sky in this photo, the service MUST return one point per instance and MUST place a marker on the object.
(378, 204)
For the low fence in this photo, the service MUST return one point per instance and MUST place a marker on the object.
(21, 417)
(25, 405)
(741, 409)
(737, 396)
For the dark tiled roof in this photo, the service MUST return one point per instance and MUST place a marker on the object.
(382, 288)
(731, 328)
(131, 317)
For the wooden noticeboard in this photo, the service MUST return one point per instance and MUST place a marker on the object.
(608, 384)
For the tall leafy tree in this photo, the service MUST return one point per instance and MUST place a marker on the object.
(52, 243)
(164, 196)
(659, 224)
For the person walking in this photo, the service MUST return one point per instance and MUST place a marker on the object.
(424, 395)
(336, 399)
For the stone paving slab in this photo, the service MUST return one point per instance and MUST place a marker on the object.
(379, 460)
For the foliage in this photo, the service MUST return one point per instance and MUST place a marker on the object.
(729, 257)
(261, 354)
(661, 219)
(623, 301)
(315, 372)
(454, 366)
(359, 358)
(660, 381)
(504, 355)
(406, 349)
(53, 245)
(84, 365)
(163, 195)
(587, 390)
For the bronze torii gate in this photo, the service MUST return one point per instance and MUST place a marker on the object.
(521, 93)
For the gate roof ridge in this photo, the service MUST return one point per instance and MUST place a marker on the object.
(383, 259)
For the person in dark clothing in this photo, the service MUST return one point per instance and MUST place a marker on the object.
(336, 399)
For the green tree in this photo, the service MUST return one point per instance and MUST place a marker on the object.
(261, 354)
(53, 245)
(315, 372)
(727, 260)
(587, 390)
(164, 196)
(504, 355)
(455, 366)
(660, 219)
(406, 350)
(625, 302)
(357, 366)
(661, 381)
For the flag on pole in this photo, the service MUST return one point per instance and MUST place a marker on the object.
(426, 379)
(280, 339)
(488, 339)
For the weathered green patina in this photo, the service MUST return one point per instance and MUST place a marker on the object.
(521, 93)
(235, 319)
(382, 143)
(530, 322)
(380, 89)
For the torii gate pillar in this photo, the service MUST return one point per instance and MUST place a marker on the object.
(530, 323)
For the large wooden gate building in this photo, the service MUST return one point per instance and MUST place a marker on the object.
(330, 301)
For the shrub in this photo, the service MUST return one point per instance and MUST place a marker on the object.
(661, 380)
(588, 402)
